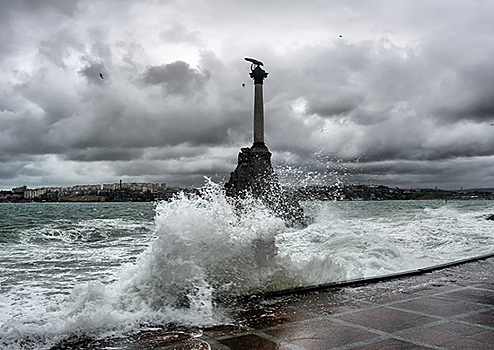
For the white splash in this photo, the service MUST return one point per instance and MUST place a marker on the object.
(203, 250)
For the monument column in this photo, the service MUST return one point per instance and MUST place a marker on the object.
(254, 173)
(258, 74)
(258, 115)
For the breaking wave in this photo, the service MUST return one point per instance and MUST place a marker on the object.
(203, 251)
(199, 253)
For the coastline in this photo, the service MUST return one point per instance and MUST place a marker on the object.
(147, 193)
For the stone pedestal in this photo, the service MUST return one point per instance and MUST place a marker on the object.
(254, 175)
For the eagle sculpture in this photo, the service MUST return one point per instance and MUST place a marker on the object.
(254, 61)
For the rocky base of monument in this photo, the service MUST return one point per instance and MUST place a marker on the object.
(255, 176)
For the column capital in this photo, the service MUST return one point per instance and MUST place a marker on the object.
(258, 74)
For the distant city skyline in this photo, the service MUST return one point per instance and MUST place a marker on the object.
(120, 191)
(393, 93)
(151, 192)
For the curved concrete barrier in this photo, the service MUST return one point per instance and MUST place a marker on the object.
(374, 279)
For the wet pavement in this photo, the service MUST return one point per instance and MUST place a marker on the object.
(451, 308)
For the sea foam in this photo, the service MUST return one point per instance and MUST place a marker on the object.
(204, 251)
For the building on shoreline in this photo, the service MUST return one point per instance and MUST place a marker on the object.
(380, 192)
(116, 192)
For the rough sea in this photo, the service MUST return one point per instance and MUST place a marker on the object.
(102, 270)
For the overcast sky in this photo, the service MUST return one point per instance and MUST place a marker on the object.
(399, 93)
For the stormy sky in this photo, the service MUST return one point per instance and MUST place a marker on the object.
(399, 93)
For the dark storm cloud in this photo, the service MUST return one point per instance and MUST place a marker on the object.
(474, 101)
(334, 106)
(10, 169)
(406, 90)
(177, 78)
(100, 154)
(384, 102)
(358, 83)
(104, 120)
(92, 71)
(131, 128)
(22, 133)
(445, 174)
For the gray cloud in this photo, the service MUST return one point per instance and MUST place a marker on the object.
(474, 99)
(66, 8)
(92, 70)
(404, 97)
(335, 106)
(103, 154)
(177, 78)
(178, 33)
(57, 47)
(17, 19)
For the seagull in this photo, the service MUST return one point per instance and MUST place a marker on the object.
(243, 85)
(341, 36)
(101, 76)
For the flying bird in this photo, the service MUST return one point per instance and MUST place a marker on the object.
(243, 85)
(341, 36)
(101, 76)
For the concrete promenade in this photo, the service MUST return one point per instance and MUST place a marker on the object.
(451, 308)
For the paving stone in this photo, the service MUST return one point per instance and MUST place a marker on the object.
(321, 334)
(435, 289)
(459, 329)
(447, 334)
(432, 336)
(480, 341)
(251, 342)
(380, 295)
(153, 340)
(192, 344)
(390, 344)
(474, 295)
(484, 337)
(387, 320)
(484, 318)
(326, 303)
(222, 330)
(269, 316)
(487, 285)
(439, 307)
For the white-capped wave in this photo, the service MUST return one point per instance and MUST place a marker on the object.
(204, 250)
